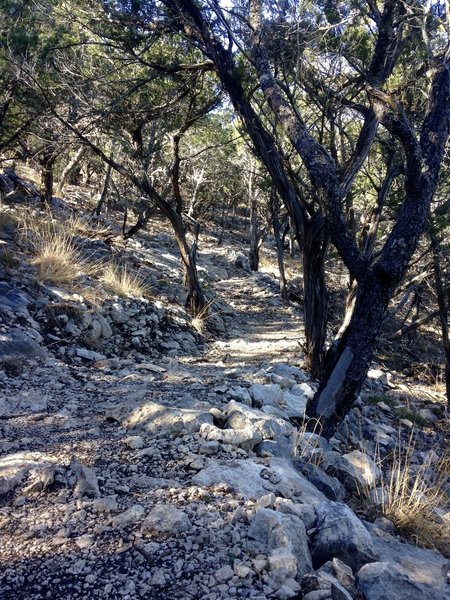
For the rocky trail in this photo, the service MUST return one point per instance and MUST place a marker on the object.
(176, 469)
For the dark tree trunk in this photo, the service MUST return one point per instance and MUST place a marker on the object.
(48, 162)
(443, 311)
(347, 361)
(105, 191)
(315, 293)
(223, 224)
(70, 169)
(254, 236)
(275, 210)
(195, 299)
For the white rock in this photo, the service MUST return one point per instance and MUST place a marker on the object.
(166, 520)
(131, 516)
(89, 354)
(265, 394)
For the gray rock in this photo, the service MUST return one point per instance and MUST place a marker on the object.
(240, 394)
(341, 572)
(118, 314)
(285, 536)
(131, 516)
(271, 427)
(356, 470)
(341, 534)
(22, 402)
(294, 405)
(330, 486)
(17, 343)
(384, 581)
(253, 480)
(153, 416)
(425, 570)
(263, 394)
(87, 483)
(89, 354)
(290, 371)
(14, 468)
(243, 438)
(13, 298)
(166, 520)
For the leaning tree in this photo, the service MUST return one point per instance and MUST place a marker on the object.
(370, 88)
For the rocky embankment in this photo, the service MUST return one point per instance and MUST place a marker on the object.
(140, 461)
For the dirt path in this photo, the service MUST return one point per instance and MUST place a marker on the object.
(59, 542)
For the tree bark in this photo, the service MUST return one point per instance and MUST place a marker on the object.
(315, 292)
(71, 166)
(254, 234)
(47, 162)
(348, 359)
(275, 210)
(443, 310)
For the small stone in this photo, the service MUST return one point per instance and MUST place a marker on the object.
(134, 441)
(166, 520)
(129, 517)
(84, 541)
(225, 573)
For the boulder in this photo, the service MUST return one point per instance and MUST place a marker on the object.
(342, 535)
(245, 438)
(18, 343)
(285, 536)
(14, 468)
(156, 417)
(384, 581)
(356, 470)
(263, 394)
(253, 479)
(166, 521)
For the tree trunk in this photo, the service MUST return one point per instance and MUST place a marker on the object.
(443, 311)
(48, 161)
(105, 191)
(315, 292)
(254, 237)
(195, 299)
(70, 168)
(347, 361)
(275, 209)
(225, 210)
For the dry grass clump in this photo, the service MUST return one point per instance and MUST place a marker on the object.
(56, 255)
(415, 496)
(122, 282)
(306, 442)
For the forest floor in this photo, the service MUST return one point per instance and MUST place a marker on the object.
(124, 472)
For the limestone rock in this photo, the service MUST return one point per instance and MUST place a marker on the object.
(154, 416)
(285, 536)
(18, 343)
(243, 438)
(263, 394)
(341, 534)
(166, 520)
(131, 516)
(87, 483)
(22, 402)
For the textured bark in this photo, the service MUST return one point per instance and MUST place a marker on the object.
(443, 311)
(70, 168)
(47, 162)
(315, 292)
(275, 210)
(105, 191)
